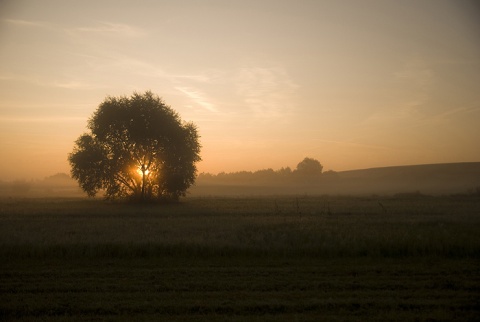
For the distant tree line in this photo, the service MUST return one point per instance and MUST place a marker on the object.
(308, 171)
(58, 185)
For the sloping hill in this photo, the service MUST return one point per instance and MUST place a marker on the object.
(426, 178)
(432, 179)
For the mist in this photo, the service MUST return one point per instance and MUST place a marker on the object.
(430, 179)
(59, 185)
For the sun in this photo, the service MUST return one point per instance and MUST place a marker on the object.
(140, 172)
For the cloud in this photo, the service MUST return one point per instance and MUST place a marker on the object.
(198, 98)
(203, 78)
(266, 91)
(419, 79)
(447, 115)
(25, 23)
(412, 93)
(352, 144)
(132, 65)
(30, 79)
(67, 83)
(41, 119)
(420, 76)
(113, 29)
(73, 84)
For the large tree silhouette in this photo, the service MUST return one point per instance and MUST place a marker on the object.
(138, 148)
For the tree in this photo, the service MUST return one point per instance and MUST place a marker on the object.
(309, 167)
(137, 148)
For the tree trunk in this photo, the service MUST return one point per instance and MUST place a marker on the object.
(143, 184)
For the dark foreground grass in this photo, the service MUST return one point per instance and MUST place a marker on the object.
(241, 259)
(241, 290)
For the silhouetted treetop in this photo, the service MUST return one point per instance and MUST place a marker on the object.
(309, 167)
(137, 148)
(307, 171)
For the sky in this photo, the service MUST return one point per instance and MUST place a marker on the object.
(353, 84)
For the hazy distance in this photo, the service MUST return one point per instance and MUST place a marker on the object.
(408, 181)
(354, 84)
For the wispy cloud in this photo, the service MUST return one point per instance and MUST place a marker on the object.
(266, 91)
(203, 78)
(41, 119)
(412, 91)
(75, 84)
(120, 62)
(105, 59)
(113, 29)
(99, 64)
(26, 23)
(29, 79)
(351, 143)
(66, 83)
(419, 78)
(198, 98)
(103, 28)
(447, 115)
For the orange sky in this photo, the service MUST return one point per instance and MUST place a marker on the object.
(354, 84)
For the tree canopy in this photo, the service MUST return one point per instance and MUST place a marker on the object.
(308, 171)
(137, 148)
(309, 167)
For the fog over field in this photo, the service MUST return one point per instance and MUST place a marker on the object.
(430, 179)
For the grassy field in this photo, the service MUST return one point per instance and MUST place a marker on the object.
(408, 258)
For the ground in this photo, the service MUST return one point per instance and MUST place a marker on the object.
(304, 258)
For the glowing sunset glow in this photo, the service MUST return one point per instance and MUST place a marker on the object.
(140, 171)
(354, 84)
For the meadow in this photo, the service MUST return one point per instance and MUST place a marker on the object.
(277, 258)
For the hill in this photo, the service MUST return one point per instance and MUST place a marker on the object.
(432, 179)
(444, 178)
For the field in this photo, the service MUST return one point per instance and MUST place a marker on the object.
(304, 258)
